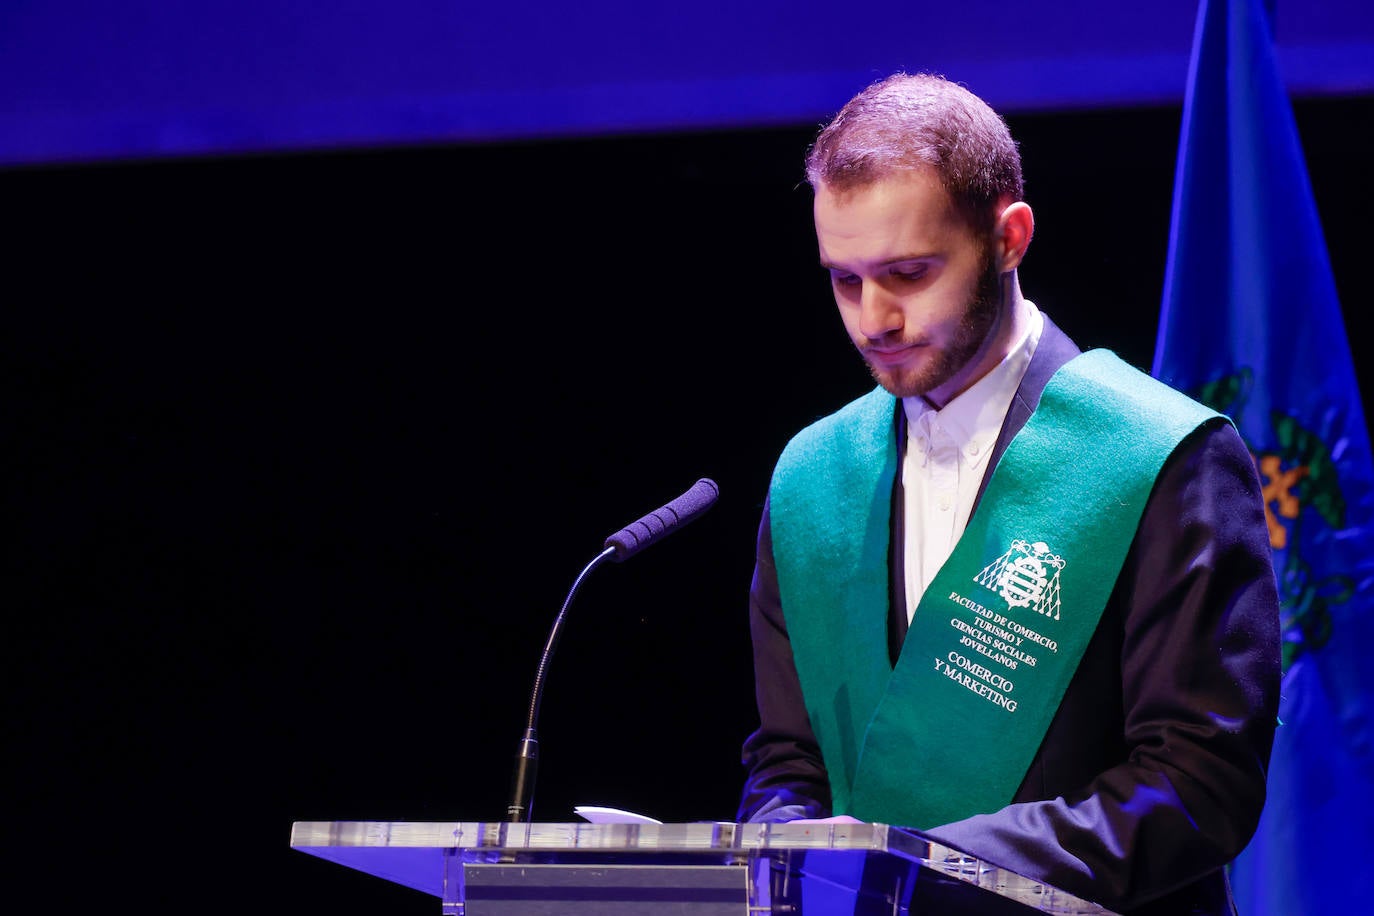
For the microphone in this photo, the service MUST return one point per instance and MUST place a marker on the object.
(660, 523)
(620, 546)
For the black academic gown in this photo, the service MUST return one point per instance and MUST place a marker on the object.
(1151, 776)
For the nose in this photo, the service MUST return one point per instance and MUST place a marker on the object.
(880, 312)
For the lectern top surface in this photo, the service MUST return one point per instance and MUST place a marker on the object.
(416, 854)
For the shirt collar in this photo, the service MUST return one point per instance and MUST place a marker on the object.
(974, 418)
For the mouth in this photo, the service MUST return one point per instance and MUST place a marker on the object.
(888, 356)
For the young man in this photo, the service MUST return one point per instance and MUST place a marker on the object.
(1018, 597)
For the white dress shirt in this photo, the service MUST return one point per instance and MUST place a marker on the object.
(946, 457)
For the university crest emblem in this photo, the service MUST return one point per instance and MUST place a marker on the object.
(1027, 575)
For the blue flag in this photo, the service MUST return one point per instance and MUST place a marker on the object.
(1251, 325)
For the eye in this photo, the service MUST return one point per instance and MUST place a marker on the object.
(841, 278)
(911, 274)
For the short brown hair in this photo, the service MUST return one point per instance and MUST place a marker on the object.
(909, 121)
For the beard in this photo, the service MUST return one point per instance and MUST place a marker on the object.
(969, 336)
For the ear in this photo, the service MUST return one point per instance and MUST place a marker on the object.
(1013, 234)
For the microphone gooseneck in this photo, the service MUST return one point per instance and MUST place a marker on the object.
(620, 546)
(527, 758)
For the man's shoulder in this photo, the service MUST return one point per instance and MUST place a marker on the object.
(857, 436)
(1106, 374)
(877, 407)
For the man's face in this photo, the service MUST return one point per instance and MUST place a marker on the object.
(917, 290)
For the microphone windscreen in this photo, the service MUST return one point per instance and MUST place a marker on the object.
(658, 524)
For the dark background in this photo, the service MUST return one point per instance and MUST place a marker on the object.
(307, 450)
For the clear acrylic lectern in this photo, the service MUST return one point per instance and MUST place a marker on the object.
(697, 869)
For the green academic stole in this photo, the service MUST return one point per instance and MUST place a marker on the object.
(952, 729)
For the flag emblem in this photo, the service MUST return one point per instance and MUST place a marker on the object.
(1302, 499)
